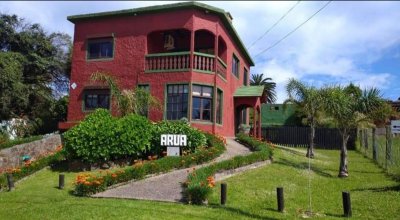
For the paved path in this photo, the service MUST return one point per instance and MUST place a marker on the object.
(167, 187)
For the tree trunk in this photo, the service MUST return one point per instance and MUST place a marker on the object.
(343, 172)
(310, 149)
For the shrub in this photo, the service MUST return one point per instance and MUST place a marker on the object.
(195, 138)
(200, 182)
(93, 139)
(133, 135)
(85, 184)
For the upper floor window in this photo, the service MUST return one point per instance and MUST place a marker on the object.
(96, 98)
(235, 66)
(202, 102)
(100, 48)
(245, 76)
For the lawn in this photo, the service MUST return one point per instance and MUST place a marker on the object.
(251, 195)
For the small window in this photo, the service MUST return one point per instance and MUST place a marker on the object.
(96, 98)
(100, 48)
(235, 66)
(276, 108)
(219, 106)
(202, 102)
(245, 76)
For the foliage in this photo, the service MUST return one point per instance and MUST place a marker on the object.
(18, 173)
(309, 101)
(11, 143)
(137, 100)
(90, 183)
(350, 110)
(269, 86)
(93, 139)
(200, 182)
(195, 138)
(31, 62)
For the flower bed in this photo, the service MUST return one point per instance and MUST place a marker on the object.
(200, 182)
(31, 167)
(90, 183)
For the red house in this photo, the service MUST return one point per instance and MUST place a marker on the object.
(188, 55)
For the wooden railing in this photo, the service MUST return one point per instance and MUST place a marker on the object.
(180, 61)
(203, 62)
(168, 62)
(221, 68)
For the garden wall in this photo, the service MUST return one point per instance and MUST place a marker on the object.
(12, 157)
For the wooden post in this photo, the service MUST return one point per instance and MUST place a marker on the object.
(10, 182)
(374, 145)
(346, 204)
(388, 145)
(223, 193)
(61, 181)
(280, 198)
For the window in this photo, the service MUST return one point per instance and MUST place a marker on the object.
(219, 106)
(96, 98)
(245, 76)
(177, 102)
(100, 48)
(202, 102)
(235, 66)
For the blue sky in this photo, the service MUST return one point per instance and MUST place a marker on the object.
(346, 42)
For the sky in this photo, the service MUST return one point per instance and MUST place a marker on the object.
(346, 42)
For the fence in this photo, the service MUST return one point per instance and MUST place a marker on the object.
(325, 138)
(382, 146)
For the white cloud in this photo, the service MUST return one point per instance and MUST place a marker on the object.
(340, 44)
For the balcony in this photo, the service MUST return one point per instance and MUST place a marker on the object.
(181, 62)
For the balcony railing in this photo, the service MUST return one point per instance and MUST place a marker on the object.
(180, 61)
(168, 62)
(221, 68)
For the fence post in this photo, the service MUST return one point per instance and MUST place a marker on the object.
(346, 204)
(388, 145)
(223, 193)
(10, 182)
(280, 198)
(374, 145)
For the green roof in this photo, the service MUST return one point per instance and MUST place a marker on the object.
(224, 16)
(249, 91)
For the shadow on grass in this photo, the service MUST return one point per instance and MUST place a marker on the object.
(292, 151)
(334, 215)
(303, 165)
(242, 212)
(380, 189)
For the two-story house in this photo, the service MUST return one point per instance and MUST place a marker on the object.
(188, 55)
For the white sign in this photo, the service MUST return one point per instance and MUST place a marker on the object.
(73, 85)
(173, 140)
(173, 151)
(395, 124)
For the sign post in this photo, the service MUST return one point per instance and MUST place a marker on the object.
(173, 142)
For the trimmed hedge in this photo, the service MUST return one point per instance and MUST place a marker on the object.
(90, 183)
(101, 137)
(19, 173)
(200, 182)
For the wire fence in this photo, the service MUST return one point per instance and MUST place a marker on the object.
(382, 146)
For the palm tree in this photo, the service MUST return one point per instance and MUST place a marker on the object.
(350, 110)
(137, 100)
(269, 86)
(309, 101)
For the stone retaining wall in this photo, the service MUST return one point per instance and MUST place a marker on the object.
(12, 157)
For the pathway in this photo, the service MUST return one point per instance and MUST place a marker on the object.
(167, 187)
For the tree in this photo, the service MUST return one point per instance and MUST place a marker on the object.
(269, 86)
(33, 65)
(137, 100)
(309, 102)
(350, 110)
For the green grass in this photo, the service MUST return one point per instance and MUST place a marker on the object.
(17, 141)
(251, 195)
